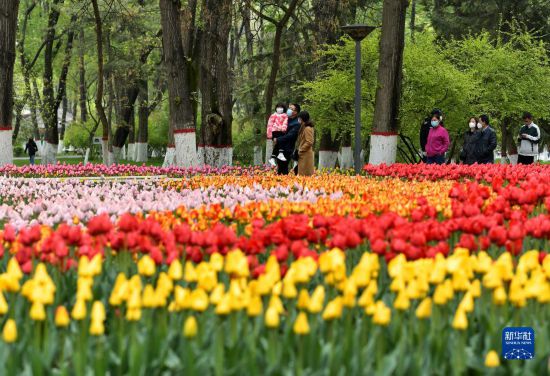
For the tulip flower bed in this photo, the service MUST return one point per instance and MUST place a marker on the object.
(411, 269)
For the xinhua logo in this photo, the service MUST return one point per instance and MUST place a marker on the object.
(518, 343)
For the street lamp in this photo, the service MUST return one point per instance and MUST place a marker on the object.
(358, 33)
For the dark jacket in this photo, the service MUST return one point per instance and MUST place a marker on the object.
(468, 153)
(287, 143)
(31, 147)
(486, 143)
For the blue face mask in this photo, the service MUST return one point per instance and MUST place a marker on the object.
(289, 112)
(435, 123)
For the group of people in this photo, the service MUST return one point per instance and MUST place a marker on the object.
(293, 136)
(479, 141)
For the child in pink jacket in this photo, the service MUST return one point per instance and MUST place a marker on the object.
(276, 127)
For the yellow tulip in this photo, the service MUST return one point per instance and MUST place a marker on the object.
(255, 306)
(133, 314)
(289, 290)
(146, 266)
(276, 303)
(98, 311)
(199, 300)
(79, 310)
(402, 301)
(475, 288)
(148, 298)
(13, 269)
(61, 317)
(190, 274)
(460, 321)
(9, 333)
(95, 265)
(303, 299)
(97, 328)
(190, 327)
(3, 304)
(301, 325)
(38, 313)
(175, 271)
(216, 261)
(499, 296)
(224, 306)
(424, 309)
(492, 359)
(382, 314)
(467, 303)
(333, 309)
(272, 318)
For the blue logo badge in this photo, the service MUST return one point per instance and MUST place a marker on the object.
(518, 343)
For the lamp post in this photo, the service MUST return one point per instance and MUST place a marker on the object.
(358, 33)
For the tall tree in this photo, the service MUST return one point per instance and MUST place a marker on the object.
(8, 30)
(182, 121)
(383, 148)
(51, 100)
(100, 84)
(216, 147)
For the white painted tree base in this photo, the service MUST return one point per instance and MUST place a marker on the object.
(117, 152)
(327, 159)
(186, 149)
(258, 156)
(170, 157)
(40, 145)
(131, 152)
(105, 152)
(383, 149)
(60, 147)
(345, 158)
(215, 156)
(141, 152)
(87, 156)
(6, 147)
(513, 158)
(124, 154)
(268, 150)
(49, 154)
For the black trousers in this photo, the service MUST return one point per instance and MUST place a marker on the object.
(526, 160)
(276, 150)
(282, 166)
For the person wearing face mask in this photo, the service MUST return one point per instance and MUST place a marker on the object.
(277, 127)
(304, 145)
(425, 130)
(486, 142)
(438, 142)
(468, 153)
(287, 142)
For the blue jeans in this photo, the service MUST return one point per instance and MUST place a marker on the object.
(32, 159)
(436, 159)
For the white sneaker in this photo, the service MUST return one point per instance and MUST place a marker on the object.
(281, 157)
(272, 162)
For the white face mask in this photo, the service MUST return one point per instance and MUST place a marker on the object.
(472, 125)
(280, 110)
(479, 125)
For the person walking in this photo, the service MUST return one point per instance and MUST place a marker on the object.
(438, 142)
(287, 142)
(31, 148)
(304, 145)
(468, 152)
(529, 138)
(486, 142)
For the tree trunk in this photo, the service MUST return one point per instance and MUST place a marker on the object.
(390, 72)
(82, 79)
(413, 19)
(182, 137)
(216, 147)
(328, 150)
(8, 31)
(100, 78)
(143, 123)
(51, 100)
(64, 108)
